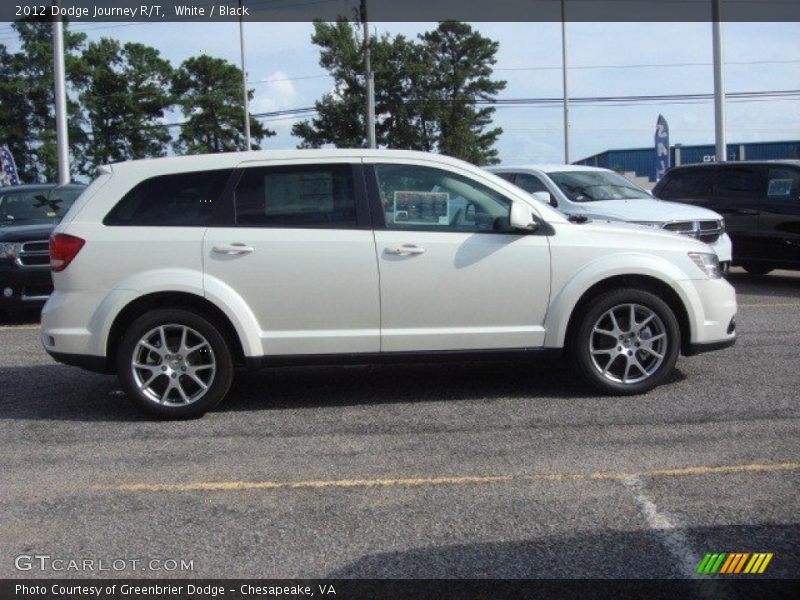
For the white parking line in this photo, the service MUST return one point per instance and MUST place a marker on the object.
(675, 542)
(20, 327)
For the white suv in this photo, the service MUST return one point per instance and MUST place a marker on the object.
(172, 272)
(602, 194)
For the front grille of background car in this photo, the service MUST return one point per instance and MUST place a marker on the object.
(705, 231)
(34, 254)
(36, 292)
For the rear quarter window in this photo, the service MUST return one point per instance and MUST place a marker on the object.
(178, 200)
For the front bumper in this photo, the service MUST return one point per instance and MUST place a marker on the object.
(24, 288)
(711, 305)
(694, 349)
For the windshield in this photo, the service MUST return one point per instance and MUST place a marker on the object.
(590, 186)
(20, 206)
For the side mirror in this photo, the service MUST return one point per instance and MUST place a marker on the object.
(546, 198)
(522, 217)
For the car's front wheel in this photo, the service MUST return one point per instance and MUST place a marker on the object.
(174, 364)
(626, 342)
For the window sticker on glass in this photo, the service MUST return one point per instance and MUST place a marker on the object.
(779, 187)
(421, 208)
(297, 193)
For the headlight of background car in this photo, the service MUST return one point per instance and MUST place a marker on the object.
(708, 263)
(9, 250)
(722, 225)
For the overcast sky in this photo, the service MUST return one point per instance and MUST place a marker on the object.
(605, 59)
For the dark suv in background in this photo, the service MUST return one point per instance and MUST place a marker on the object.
(759, 200)
(28, 214)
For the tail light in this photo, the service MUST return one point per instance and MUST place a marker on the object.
(63, 249)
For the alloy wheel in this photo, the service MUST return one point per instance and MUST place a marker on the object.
(173, 365)
(628, 343)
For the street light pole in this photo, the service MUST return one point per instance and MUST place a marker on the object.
(370, 80)
(247, 142)
(62, 135)
(564, 78)
(719, 83)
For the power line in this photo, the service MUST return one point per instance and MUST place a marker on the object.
(648, 65)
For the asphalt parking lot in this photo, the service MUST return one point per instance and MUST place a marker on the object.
(472, 470)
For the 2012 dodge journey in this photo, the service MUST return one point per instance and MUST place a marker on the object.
(173, 272)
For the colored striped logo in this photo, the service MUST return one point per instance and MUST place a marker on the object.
(732, 563)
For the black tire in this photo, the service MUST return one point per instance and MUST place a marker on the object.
(216, 351)
(633, 349)
(756, 269)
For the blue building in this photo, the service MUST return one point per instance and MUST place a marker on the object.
(642, 161)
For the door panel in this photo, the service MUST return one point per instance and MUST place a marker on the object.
(301, 258)
(453, 276)
(466, 291)
(737, 193)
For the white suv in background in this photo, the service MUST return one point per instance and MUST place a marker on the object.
(171, 272)
(602, 194)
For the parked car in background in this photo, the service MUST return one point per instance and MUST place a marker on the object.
(759, 200)
(324, 256)
(604, 195)
(28, 214)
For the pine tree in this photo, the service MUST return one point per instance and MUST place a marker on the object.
(209, 92)
(125, 94)
(425, 91)
(32, 73)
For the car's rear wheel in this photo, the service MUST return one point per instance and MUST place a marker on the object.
(756, 269)
(626, 342)
(174, 364)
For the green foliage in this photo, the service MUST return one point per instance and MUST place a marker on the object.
(124, 91)
(340, 119)
(425, 91)
(209, 93)
(13, 103)
(30, 86)
(117, 99)
(462, 60)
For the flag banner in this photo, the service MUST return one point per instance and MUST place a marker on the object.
(662, 147)
(8, 170)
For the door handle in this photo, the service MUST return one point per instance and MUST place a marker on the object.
(405, 249)
(233, 249)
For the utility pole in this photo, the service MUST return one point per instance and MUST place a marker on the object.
(719, 83)
(564, 78)
(247, 143)
(370, 80)
(62, 135)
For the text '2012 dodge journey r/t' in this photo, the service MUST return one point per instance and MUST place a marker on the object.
(171, 272)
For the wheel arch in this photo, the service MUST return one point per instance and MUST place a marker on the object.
(643, 282)
(184, 300)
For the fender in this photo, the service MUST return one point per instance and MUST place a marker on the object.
(188, 281)
(238, 312)
(566, 297)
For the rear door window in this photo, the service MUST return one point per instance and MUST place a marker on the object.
(530, 183)
(507, 176)
(737, 183)
(308, 196)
